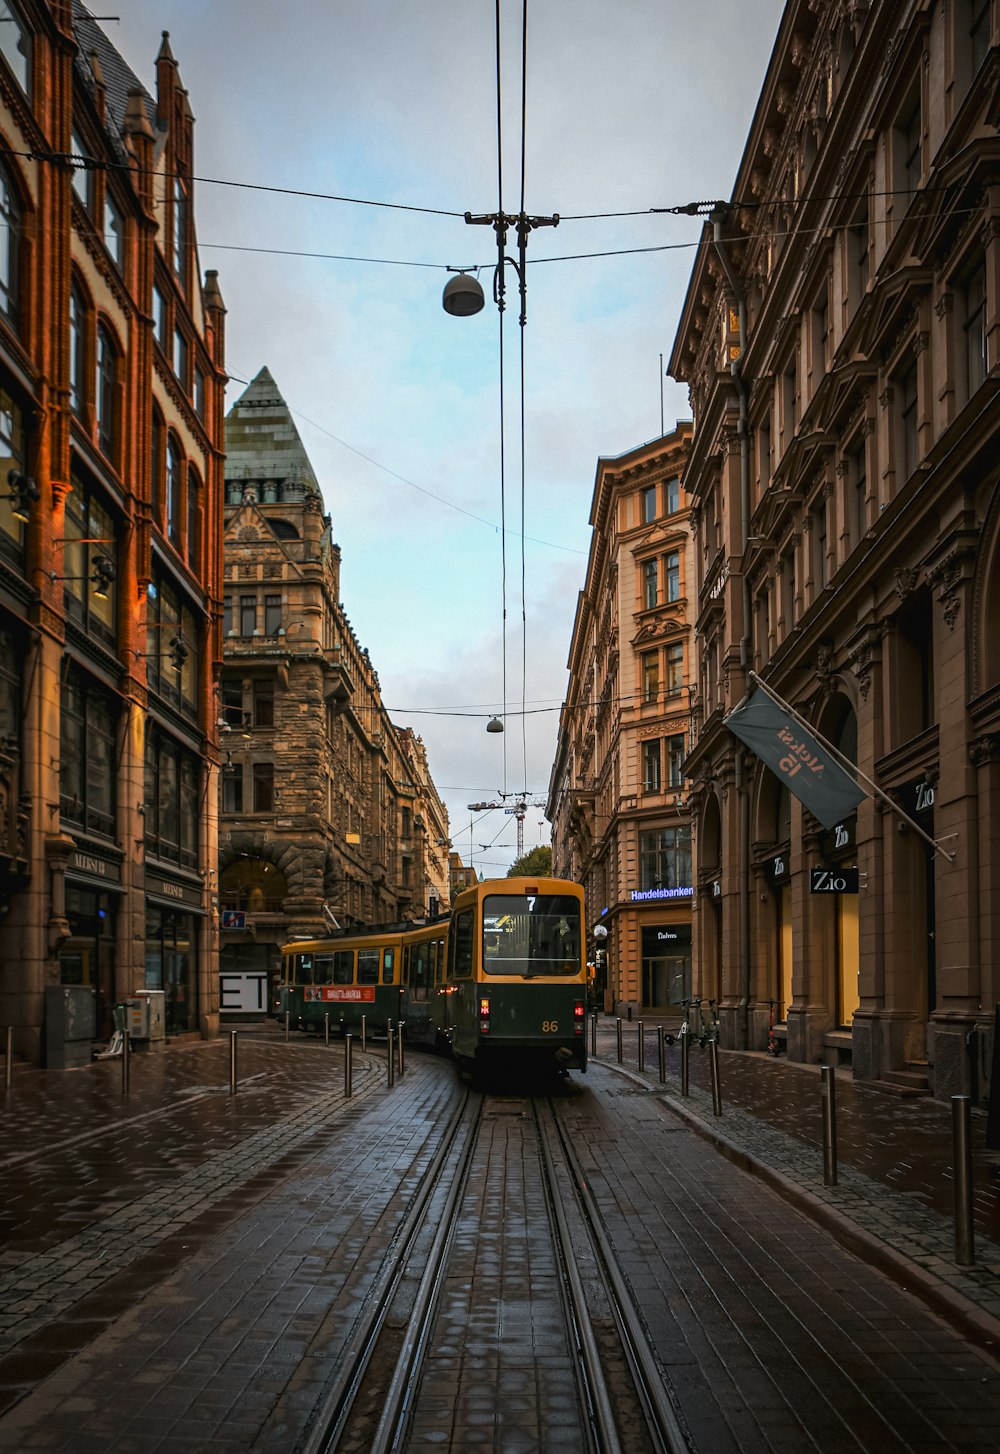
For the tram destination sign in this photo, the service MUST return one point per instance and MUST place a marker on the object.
(833, 880)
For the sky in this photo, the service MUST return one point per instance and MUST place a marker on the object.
(629, 105)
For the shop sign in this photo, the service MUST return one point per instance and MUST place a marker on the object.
(638, 896)
(833, 880)
(840, 839)
(716, 888)
(778, 867)
(162, 888)
(242, 993)
(95, 867)
(917, 797)
(661, 939)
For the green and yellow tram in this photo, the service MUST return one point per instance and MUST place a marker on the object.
(502, 981)
(516, 981)
(345, 979)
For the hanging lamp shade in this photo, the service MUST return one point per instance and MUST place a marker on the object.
(494, 725)
(462, 296)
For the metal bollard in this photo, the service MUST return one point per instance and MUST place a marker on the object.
(685, 1061)
(661, 1054)
(618, 1031)
(125, 1056)
(232, 1062)
(364, 1048)
(593, 1034)
(829, 1125)
(288, 1022)
(390, 1060)
(713, 1065)
(9, 1063)
(399, 1048)
(641, 1048)
(347, 1065)
(961, 1128)
(326, 1027)
(630, 1014)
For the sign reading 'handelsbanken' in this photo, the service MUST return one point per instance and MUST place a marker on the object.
(791, 752)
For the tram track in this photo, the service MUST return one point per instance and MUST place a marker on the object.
(623, 1404)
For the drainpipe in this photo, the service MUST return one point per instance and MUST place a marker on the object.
(719, 215)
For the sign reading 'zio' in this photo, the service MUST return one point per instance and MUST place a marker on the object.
(794, 755)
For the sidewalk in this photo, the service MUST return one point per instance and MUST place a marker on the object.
(893, 1204)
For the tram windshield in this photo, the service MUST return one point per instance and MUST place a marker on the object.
(529, 934)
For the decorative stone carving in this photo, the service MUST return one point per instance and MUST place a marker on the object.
(944, 305)
(984, 750)
(906, 580)
(885, 398)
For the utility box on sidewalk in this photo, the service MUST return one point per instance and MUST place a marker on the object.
(145, 1015)
(70, 1025)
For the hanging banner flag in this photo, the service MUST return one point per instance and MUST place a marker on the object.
(797, 759)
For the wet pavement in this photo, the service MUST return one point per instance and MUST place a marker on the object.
(178, 1264)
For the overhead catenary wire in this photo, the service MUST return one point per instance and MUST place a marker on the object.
(500, 281)
(524, 611)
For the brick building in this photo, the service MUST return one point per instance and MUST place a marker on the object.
(616, 793)
(329, 816)
(111, 359)
(841, 341)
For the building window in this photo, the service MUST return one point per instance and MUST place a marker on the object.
(11, 678)
(77, 352)
(107, 369)
(787, 568)
(819, 546)
(172, 778)
(12, 530)
(263, 704)
(114, 229)
(180, 357)
(10, 250)
(907, 386)
(405, 823)
(89, 560)
(979, 31)
(227, 616)
(675, 668)
(173, 636)
(159, 317)
(974, 329)
(665, 858)
(672, 565)
(173, 494)
(193, 520)
(87, 757)
(232, 790)
(675, 761)
(199, 392)
(648, 504)
(650, 665)
(15, 45)
(860, 247)
(180, 222)
(648, 584)
(651, 766)
(909, 142)
(673, 488)
(272, 615)
(858, 476)
(263, 787)
(248, 615)
(156, 466)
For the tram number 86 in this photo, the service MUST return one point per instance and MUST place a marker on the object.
(550, 1027)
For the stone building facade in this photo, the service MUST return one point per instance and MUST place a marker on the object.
(329, 816)
(111, 386)
(841, 341)
(616, 794)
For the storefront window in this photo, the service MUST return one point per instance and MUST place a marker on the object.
(89, 559)
(665, 858)
(88, 956)
(12, 530)
(172, 966)
(87, 756)
(172, 778)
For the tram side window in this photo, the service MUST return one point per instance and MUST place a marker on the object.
(407, 957)
(343, 966)
(367, 966)
(303, 968)
(420, 955)
(463, 945)
(388, 960)
(323, 969)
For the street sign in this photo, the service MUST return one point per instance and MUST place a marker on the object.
(234, 919)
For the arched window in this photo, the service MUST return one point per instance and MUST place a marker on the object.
(156, 466)
(77, 352)
(194, 507)
(10, 249)
(174, 466)
(107, 370)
